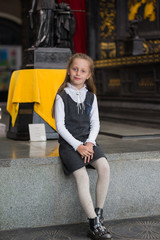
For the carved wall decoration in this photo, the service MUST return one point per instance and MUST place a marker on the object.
(149, 12)
(128, 61)
(151, 46)
(108, 50)
(145, 8)
(114, 82)
(107, 28)
(120, 72)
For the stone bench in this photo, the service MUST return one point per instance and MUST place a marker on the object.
(34, 192)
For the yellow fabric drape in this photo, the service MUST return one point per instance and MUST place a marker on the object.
(35, 85)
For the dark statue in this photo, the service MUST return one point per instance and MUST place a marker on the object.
(134, 44)
(52, 25)
(133, 27)
(41, 22)
(51, 29)
(64, 26)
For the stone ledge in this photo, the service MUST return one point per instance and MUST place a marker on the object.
(36, 193)
(154, 155)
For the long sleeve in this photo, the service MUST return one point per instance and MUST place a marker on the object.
(60, 124)
(94, 122)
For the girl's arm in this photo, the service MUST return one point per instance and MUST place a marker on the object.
(94, 122)
(60, 124)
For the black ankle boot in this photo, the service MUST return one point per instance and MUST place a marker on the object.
(99, 212)
(97, 231)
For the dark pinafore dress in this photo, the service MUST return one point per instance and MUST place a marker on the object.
(78, 124)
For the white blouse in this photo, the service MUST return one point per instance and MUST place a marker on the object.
(78, 96)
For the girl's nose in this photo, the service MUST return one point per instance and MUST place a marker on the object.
(78, 72)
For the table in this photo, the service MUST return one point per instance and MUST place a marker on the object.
(38, 86)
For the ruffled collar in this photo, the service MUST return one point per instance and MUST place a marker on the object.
(74, 88)
(78, 92)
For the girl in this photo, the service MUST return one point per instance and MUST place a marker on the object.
(77, 122)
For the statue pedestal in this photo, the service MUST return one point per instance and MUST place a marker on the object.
(134, 46)
(40, 58)
(27, 115)
(20, 131)
(46, 58)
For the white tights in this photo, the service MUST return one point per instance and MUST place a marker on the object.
(83, 186)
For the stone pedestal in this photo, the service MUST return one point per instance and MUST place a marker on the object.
(37, 58)
(27, 115)
(134, 47)
(46, 58)
(20, 130)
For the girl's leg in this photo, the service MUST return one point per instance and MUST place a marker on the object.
(103, 170)
(96, 230)
(82, 180)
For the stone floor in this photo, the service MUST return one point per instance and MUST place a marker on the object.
(128, 229)
(113, 138)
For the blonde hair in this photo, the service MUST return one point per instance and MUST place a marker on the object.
(89, 82)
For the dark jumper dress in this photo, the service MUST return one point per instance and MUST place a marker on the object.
(78, 124)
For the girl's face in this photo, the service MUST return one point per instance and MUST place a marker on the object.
(79, 72)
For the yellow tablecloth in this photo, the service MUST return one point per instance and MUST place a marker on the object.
(35, 85)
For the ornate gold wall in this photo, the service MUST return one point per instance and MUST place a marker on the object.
(107, 29)
(148, 9)
(148, 27)
(119, 71)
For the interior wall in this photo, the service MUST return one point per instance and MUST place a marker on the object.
(12, 7)
(10, 41)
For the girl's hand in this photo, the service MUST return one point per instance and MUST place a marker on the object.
(86, 152)
(90, 146)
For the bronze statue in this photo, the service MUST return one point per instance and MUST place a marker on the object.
(53, 25)
(42, 22)
(64, 26)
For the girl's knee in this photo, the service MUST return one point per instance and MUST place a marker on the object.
(104, 167)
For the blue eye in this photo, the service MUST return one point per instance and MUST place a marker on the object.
(74, 69)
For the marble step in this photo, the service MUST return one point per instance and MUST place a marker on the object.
(132, 113)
